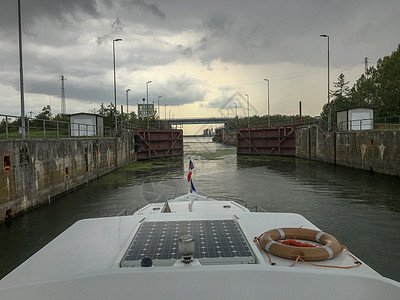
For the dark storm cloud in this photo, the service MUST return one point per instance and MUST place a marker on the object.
(151, 8)
(116, 28)
(52, 9)
(75, 88)
(287, 31)
(74, 38)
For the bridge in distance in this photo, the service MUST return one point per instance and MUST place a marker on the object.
(198, 121)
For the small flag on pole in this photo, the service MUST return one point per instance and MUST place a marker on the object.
(193, 189)
(189, 178)
(191, 167)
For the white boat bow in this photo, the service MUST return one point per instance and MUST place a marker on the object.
(102, 259)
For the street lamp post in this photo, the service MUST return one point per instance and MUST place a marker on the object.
(147, 108)
(127, 108)
(248, 111)
(236, 115)
(269, 121)
(227, 122)
(115, 87)
(159, 115)
(21, 73)
(329, 102)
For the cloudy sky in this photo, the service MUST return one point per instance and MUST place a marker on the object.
(201, 56)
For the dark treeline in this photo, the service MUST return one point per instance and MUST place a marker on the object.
(379, 88)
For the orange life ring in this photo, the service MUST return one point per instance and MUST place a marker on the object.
(330, 247)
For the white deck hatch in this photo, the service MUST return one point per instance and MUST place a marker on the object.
(216, 242)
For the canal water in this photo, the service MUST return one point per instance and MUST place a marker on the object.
(360, 208)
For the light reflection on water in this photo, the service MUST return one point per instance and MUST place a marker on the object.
(361, 209)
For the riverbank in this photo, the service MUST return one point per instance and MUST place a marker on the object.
(38, 170)
(374, 151)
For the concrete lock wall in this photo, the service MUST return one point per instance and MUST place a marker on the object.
(369, 150)
(35, 171)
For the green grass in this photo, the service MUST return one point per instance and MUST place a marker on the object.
(387, 126)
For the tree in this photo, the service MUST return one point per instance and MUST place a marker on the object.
(108, 113)
(45, 114)
(61, 118)
(364, 91)
(378, 88)
(387, 82)
(340, 96)
(132, 117)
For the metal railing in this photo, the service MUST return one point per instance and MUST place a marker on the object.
(295, 121)
(10, 128)
(384, 123)
(253, 208)
(122, 213)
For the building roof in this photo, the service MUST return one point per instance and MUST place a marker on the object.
(83, 113)
(351, 108)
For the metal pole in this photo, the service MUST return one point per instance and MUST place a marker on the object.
(127, 109)
(227, 122)
(236, 117)
(6, 127)
(21, 72)
(115, 92)
(329, 94)
(122, 116)
(269, 121)
(147, 105)
(300, 110)
(159, 115)
(115, 88)
(329, 102)
(248, 111)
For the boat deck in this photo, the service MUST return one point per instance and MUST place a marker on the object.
(85, 262)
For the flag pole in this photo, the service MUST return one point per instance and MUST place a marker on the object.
(189, 177)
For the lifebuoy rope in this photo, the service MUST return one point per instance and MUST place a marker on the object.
(256, 240)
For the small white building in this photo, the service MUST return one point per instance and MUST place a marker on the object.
(359, 118)
(85, 124)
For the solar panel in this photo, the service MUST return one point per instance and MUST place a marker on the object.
(216, 242)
